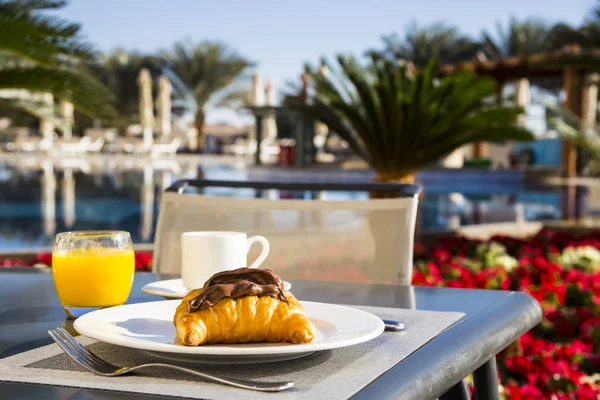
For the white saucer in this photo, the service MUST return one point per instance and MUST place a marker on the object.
(174, 289)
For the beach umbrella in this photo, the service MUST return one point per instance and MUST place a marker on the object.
(257, 93)
(164, 105)
(270, 125)
(46, 126)
(257, 99)
(321, 130)
(146, 112)
(68, 197)
(48, 187)
(67, 111)
(147, 202)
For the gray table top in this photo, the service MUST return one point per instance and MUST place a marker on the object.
(29, 307)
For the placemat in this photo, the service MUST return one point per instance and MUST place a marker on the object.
(332, 374)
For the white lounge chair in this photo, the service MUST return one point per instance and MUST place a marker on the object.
(31, 145)
(169, 148)
(96, 145)
(75, 146)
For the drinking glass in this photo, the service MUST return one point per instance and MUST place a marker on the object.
(92, 269)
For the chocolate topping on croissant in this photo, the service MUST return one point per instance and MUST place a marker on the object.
(238, 283)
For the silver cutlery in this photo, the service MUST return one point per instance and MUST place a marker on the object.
(393, 326)
(98, 366)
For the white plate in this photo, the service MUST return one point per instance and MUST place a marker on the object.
(149, 326)
(174, 289)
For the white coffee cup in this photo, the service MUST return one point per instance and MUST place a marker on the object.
(206, 253)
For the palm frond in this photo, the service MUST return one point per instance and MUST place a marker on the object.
(42, 39)
(39, 53)
(518, 38)
(421, 44)
(33, 5)
(321, 112)
(207, 67)
(400, 122)
(586, 35)
(87, 94)
(233, 99)
(571, 128)
(32, 103)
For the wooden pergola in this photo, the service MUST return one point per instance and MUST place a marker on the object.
(579, 71)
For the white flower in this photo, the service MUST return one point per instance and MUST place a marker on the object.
(493, 254)
(490, 249)
(507, 262)
(584, 257)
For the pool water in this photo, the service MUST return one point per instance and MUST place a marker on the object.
(40, 197)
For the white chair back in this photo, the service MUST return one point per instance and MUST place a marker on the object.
(368, 240)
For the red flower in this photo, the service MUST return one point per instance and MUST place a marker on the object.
(441, 256)
(143, 261)
(565, 328)
(586, 392)
(590, 331)
(44, 258)
(518, 364)
(527, 392)
(583, 314)
(419, 250)
(549, 362)
(575, 351)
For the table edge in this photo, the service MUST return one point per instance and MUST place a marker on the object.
(436, 366)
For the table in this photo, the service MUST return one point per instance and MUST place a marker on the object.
(29, 307)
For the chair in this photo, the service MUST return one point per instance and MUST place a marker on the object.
(76, 146)
(357, 240)
(168, 148)
(95, 146)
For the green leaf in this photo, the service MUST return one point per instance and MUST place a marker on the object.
(32, 103)
(400, 121)
(87, 94)
(207, 67)
(42, 39)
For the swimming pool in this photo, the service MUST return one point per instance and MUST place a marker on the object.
(40, 196)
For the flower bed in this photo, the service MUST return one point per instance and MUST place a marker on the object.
(143, 261)
(558, 359)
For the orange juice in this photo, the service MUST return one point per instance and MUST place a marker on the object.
(93, 277)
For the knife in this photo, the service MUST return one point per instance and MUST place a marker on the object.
(393, 326)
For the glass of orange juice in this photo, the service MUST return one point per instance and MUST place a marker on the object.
(92, 269)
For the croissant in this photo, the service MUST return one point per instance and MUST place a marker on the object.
(242, 306)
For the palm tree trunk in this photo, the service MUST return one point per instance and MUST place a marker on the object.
(199, 122)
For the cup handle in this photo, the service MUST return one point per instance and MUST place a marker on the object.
(263, 254)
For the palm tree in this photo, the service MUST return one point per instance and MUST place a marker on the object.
(208, 68)
(400, 122)
(573, 129)
(587, 35)
(40, 54)
(562, 34)
(118, 71)
(520, 38)
(422, 44)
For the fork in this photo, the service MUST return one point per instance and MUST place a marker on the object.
(95, 364)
